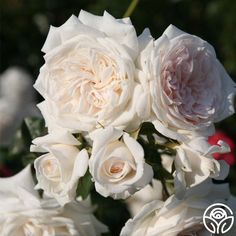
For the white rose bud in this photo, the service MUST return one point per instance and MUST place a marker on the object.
(59, 170)
(195, 166)
(117, 164)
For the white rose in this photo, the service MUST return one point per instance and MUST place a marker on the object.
(189, 88)
(195, 166)
(23, 213)
(117, 164)
(59, 170)
(176, 217)
(88, 76)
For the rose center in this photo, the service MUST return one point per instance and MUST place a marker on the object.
(184, 77)
(51, 170)
(93, 80)
(116, 168)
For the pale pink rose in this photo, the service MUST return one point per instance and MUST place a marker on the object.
(190, 90)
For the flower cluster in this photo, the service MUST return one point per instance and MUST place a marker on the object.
(127, 110)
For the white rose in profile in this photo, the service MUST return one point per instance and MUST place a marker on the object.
(59, 170)
(117, 164)
(88, 76)
(194, 163)
(23, 213)
(176, 217)
(189, 88)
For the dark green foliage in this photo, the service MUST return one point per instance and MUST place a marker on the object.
(85, 186)
(153, 151)
(83, 142)
(147, 129)
(24, 24)
(112, 212)
(35, 127)
(17, 154)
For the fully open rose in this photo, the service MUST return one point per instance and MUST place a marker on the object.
(189, 88)
(117, 164)
(88, 76)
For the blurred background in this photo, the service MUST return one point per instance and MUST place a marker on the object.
(24, 26)
(25, 23)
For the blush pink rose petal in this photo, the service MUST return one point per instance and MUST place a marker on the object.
(190, 89)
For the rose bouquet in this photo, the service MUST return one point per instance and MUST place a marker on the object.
(128, 117)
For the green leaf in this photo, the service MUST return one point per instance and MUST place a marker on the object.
(25, 134)
(83, 142)
(85, 185)
(3, 154)
(152, 156)
(30, 129)
(28, 158)
(113, 213)
(161, 173)
(17, 145)
(36, 127)
(18, 155)
(147, 129)
(146, 136)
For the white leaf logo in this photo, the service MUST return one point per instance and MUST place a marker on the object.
(218, 218)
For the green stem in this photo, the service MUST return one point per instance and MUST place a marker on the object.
(131, 8)
(166, 193)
